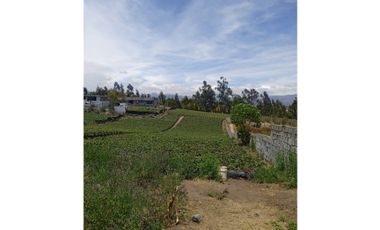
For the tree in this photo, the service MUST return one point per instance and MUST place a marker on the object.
(130, 90)
(293, 109)
(205, 98)
(278, 109)
(250, 96)
(85, 92)
(162, 98)
(113, 97)
(121, 88)
(116, 86)
(241, 115)
(224, 95)
(137, 93)
(101, 91)
(177, 102)
(265, 104)
(237, 99)
(187, 103)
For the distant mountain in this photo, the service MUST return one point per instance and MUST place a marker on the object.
(285, 99)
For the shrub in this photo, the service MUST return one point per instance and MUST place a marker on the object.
(243, 113)
(240, 115)
(243, 134)
(266, 174)
(209, 167)
(283, 170)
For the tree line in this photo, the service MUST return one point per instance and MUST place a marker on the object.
(222, 99)
(219, 100)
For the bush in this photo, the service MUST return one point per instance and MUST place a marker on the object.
(266, 174)
(243, 113)
(209, 167)
(284, 170)
(243, 134)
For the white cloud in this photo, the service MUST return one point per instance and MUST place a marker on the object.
(155, 49)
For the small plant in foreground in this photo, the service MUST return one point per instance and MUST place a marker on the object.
(209, 167)
(283, 170)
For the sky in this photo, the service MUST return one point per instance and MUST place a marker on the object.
(174, 45)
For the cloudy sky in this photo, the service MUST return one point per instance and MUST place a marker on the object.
(173, 45)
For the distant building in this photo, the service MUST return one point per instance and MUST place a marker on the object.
(120, 108)
(95, 101)
(142, 101)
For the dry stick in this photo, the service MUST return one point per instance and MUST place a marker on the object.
(170, 205)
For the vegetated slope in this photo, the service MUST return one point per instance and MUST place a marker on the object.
(130, 178)
(90, 117)
(134, 124)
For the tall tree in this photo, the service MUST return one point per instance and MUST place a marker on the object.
(266, 108)
(129, 90)
(137, 93)
(116, 86)
(162, 98)
(205, 98)
(85, 92)
(250, 96)
(101, 91)
(293, 109)
(224, 95)
(122, 89)
(177, 102)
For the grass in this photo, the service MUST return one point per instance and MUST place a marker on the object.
(218, 195)
(131, 180)
(284, 170)
(90, 117)
(144, 108)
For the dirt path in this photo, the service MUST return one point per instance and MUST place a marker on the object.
(246, 205)
(177, 122)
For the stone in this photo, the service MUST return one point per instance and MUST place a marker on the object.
(237, 174)
(196, 218)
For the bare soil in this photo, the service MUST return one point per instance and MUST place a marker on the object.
(177, 122)
(244, 205)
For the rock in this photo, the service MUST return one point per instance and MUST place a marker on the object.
(237, 175)
(196, 218)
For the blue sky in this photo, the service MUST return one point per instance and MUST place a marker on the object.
(173, 45)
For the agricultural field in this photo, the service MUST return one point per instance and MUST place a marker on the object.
(130, 178)
(90, 117)
(144, 109)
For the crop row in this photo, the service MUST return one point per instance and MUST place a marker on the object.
(130, 178)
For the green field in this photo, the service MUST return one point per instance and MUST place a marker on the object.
(90, 117)
(144, 109)
(130, 178)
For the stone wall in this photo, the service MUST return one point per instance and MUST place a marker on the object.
(282, 139)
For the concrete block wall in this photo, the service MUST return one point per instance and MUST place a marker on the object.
(282, 139)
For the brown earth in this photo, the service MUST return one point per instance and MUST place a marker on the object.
(244, 205)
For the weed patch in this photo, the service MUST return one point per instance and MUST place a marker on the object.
(284, 170)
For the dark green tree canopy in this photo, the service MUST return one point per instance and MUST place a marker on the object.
(224, 94)
(162, 98)
(250, 96)
(205, 98)
(242, 113)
